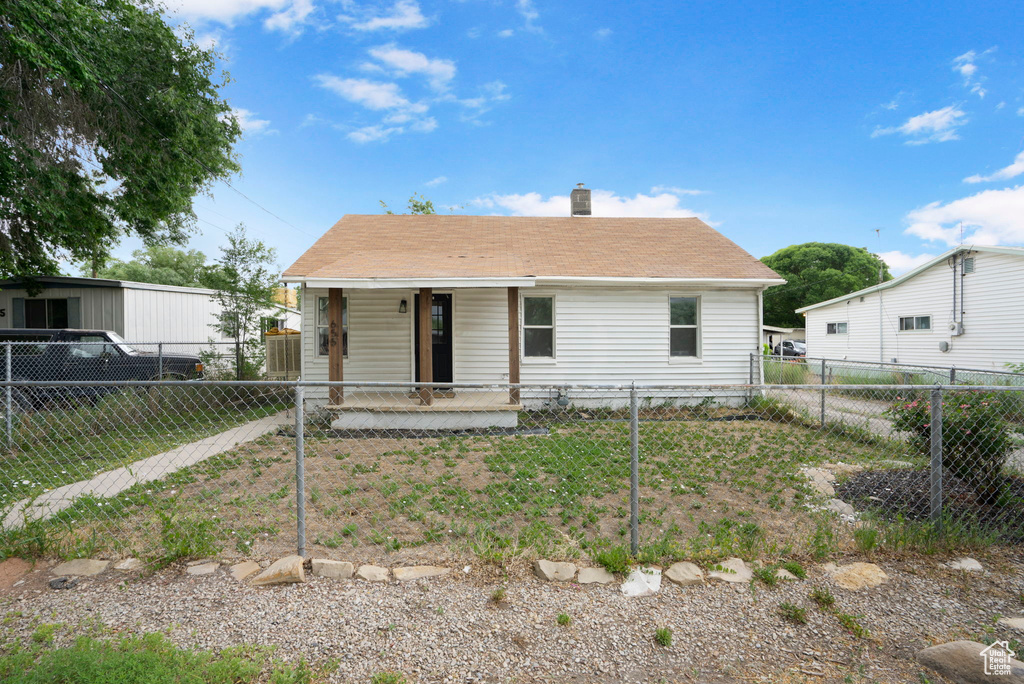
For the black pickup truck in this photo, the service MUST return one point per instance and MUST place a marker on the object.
(93, 355)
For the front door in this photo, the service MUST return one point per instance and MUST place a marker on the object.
(441, 324)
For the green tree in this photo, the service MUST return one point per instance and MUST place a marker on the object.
(161, 264)
(245, 280)
(816, 272)
(110, 123)
(417, 205)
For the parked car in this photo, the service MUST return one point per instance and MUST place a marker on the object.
(85, 355)
(791, 348)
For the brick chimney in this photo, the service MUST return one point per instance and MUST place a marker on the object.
(580, 201)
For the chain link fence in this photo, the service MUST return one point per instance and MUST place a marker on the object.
(371, 471)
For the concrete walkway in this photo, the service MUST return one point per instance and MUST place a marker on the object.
(113, 482)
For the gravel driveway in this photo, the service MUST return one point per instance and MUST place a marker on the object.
(449, 630)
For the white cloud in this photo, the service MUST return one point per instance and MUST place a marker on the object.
(992, 217)
(248, 122)
(439, 72)
(659, 189)
(966, 66)
(506, 33)
(437, 181)
(404, 14)
(370, 94)
(899, 263)
(1020, 112)
(292, 19)
(530, 14)
(936, 126)
(372, 134)
(1012, 171)
(604, 203)
(602, 33)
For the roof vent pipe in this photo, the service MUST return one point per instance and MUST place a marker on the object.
(580, 201)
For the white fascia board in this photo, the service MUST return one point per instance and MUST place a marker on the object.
(671, 282)
(410, 283)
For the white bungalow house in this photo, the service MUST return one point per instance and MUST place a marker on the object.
(497, 300)
(964, 308)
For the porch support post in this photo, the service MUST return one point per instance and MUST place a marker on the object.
(335, 345)
(426, 306)
(513, 344)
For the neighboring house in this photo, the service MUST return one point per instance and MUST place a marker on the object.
(570, 300)
(964, 308)
(138, 312)
(773, 335)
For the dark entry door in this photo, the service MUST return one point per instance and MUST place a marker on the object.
(441, 325)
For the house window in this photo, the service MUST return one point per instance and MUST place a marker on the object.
(835, 328)
(323, 327)
(684, 329)
(915, 323)
(46, 313)
(539, 327)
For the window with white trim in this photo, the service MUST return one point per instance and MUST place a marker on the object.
(323, 327)
(539, 327)
(915, 323)
(684, 326)
(836, 328)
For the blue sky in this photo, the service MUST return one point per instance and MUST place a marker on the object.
(778, 123)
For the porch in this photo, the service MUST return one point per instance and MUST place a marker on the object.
(463, 409)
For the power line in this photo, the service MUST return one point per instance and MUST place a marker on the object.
(142, 117)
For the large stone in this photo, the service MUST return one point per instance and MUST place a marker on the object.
(372, 573)
(685, 574)
(820, 480)
(244, 569)
(554, 572)
(595, 576)
(287, 570)
(419, 572)
(785, 575)
(129, 565)
(731, 570)
(203, 568)
(332, 569)
(859, 576)
(841, 508)
(965, 662)
(81, 567)
(1013, 623)
(642, 582)
(965, 564)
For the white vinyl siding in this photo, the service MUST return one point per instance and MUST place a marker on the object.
(169, 316)
(993, 318)
(380, 338)
(480, 318)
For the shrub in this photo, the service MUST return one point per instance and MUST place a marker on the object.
(663, 635)
(975, 439)
(795, 614)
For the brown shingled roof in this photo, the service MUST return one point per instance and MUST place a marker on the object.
(434, 246)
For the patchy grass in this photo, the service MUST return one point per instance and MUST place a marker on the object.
(91, 660)
(663, 636)
(793, 613)
(75, 439)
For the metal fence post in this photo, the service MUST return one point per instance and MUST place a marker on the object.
(936, 459)
(160, 360)
(823, 393)
(300, 472)
(8, 399)
(634, 472)
(750, 370)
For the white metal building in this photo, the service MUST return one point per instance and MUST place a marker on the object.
(139, 312)
(964, 308)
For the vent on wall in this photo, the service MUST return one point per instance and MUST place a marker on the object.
(968, 264)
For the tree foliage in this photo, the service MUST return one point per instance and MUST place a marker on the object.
(417, 205)
(245, 280)
(109, 125)
(816, 272)
(163, 265)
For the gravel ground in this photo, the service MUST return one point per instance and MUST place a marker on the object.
(449, 629)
